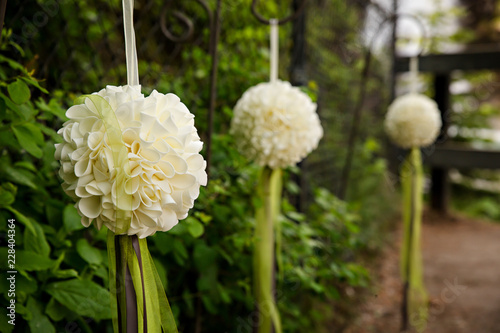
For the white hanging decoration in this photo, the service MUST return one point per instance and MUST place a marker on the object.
(413, 120)
(274, 123)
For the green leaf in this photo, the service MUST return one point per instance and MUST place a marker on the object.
(296, 216)
(32, 261)
(188, 300)
(84, 297)
(19, 92)
(102, 272)
(21, 218)
(162, 272)
(71, 218)
(58, 261)
(5, 327)
(52, 134)
(195, 227)
(163, 242)
(65, 273)
(88, 253)
(35, 240)
(39, 322)
(209, 304)
(224, 294)
(7, 194)
(203, 256)
(226, 256)
(178, 229)
(34, 83)
(3, 108)
(180, 252)
(203, 217)
(8, 139)
(28, 111)
(26, 286)
(21, 177)
(53, 212)
(13, 106)
(26, 165)
(13, 64)
(53, 107)
(56, 311)
(29, 137)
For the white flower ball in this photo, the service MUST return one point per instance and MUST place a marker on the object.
(275, 124)
(413, 120)
(166, 169)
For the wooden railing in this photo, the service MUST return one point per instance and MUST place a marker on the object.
(445, 154)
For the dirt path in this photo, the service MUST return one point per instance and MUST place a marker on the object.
(462, 276)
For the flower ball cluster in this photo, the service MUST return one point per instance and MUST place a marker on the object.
(166, 169)
(276, 124)
(413, 120)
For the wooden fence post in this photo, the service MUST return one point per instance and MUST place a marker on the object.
(440, 190)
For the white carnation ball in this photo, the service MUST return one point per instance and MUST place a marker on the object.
(413, 120)
(276, 124)
(166, 169)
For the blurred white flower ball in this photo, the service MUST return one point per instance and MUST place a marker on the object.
(276, 124)
(413, 120)
(166, 169)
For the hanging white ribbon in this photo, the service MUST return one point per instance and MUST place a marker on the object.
(274, 50)
(413, 75)
(130, 49)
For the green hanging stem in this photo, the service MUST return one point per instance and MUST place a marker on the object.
(114, 286)
(275, 194)
(151, 310)
(414, 307)
(269, 190)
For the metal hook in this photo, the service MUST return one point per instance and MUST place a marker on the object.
(392, 18)
(421, 27)
(289, 18)
(184, 19)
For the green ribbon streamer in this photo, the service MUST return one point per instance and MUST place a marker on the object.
(269, 190)
(159, 314)
(411, 256)
(159, 301)
(120, 158)
(276, 189)
(112, 278)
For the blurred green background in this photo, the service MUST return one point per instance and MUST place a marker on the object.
(54, 51)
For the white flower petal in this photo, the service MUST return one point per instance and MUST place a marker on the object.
(90, 207)
(168, 220)
(150, 155)
(167, 168)
(95, 140)
(174, 142)
(195, 162)
(79, 112)
(83, 167)
(132, 185)
(182, 181)
(86, 221)
(93, 189)
(179, 164)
